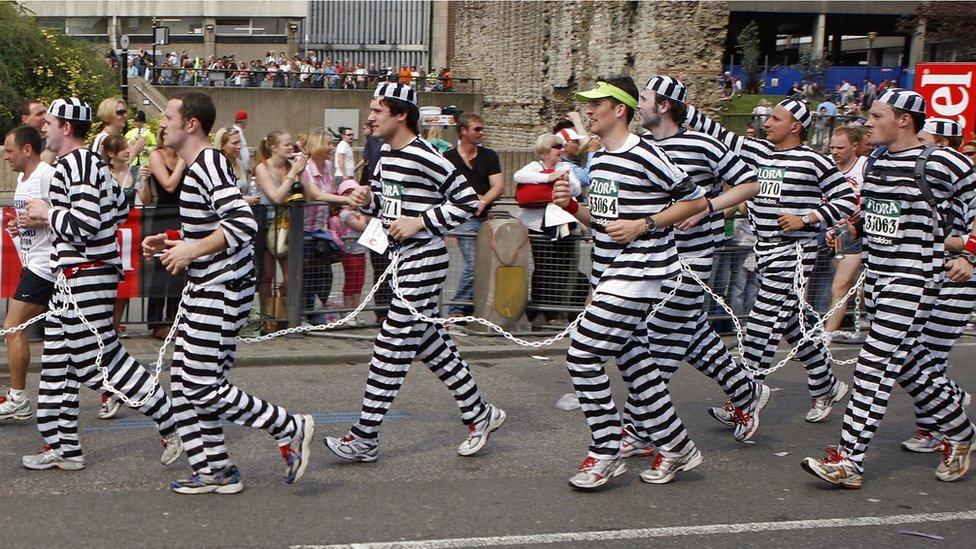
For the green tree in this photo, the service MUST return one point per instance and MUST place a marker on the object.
(951, 24)
(45, 64)
(813, 70)
(747, 46)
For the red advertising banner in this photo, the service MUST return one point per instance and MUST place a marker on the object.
(948, 91)
(129, 237)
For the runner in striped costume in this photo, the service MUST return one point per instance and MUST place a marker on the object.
(216, 249)
(800, 191)
(680, 330)
(83, 215)
(904, 238)
(419, 196)
(635, 195)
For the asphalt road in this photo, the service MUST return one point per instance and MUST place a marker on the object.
(514, 493)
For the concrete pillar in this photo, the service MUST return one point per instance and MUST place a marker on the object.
(294, 39)
(438, 34)
(916, 51)
(835, 48)
(209, 37)
(819, 36)
(113, 32)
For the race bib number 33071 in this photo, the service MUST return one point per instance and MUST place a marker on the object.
(603, 198)
(392, 200)
(770, 185)
(881, 220)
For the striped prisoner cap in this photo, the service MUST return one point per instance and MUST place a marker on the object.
(942, 127)
(71, 109)
(669, 87)
(799, 111)
(903, 99)
(395, 90)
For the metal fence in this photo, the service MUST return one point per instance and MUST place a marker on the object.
(263, 78)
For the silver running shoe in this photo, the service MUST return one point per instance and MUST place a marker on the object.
(924, 442)
(664, 469)
(172, 448)
(350, 448)
(594, 473)
(834, 468)
(110, 407)
(479, 431)
(955, 460)
(49, 458)
(823, 405)
(13, 409)
(631, 446)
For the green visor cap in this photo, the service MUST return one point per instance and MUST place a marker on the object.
(608, 90)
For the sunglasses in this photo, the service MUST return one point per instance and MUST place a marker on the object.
(121, 112)
(558, 146)
(478, 129)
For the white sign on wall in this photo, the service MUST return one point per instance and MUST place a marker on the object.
(336, 118)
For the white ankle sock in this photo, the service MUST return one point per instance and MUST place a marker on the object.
(17, 394)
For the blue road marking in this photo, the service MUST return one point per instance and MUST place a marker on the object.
(321, 418)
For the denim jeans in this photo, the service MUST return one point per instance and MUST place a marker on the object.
(743, 290)
(467, 236)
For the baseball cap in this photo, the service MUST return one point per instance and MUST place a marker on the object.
(240, 115)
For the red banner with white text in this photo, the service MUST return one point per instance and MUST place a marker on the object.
(948, 92)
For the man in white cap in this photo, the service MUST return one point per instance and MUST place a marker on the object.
(680, 330)
(905, 221)
(800, 190)
(82, 217)
(419, 196)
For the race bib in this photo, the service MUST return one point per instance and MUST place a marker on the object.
(770, 185)
(881, 220)
(603, 199)
(392, 200)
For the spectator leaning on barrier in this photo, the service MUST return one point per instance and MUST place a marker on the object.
(240, 122)
(140, 131)
(551, 255)
(112, 113)
(228, 141)
(345, 162)
(481, 167)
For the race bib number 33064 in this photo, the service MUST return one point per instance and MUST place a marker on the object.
(881, 220)
(392, 200)
(603, 198)
(770, 185)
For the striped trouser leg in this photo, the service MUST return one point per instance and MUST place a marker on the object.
(609, 323)
(952, 310)
(899, 308)
(777, 314)
(95, 291)
(202, 395)
(54, 398)
(402, 338)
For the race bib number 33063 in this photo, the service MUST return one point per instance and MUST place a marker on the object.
(770, 185)
(392, 200)
(603, 198)
(881, 220)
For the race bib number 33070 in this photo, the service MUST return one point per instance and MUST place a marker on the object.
(881, 220)
(770, 185)
(392, 200)
(603, 198)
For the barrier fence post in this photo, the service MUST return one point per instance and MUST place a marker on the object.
(296, 254)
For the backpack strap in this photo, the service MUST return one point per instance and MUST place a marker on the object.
(923, 187)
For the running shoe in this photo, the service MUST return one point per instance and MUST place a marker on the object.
(835, 468)
(15, 409)
(352, 449)
(49, 458)
(723, 414)
(479, 431)
(631, 446)
(924, 442)
(823, 405)
(594, 473)
(110, 407)
(955, 460)
(227, 481)
(664, 469)
(296, 452)
(172, 448)
(746, 421)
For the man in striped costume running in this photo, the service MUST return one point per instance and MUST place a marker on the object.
(635, 195)
(680, 330)
(85, 210)
(800, 190)
(419, 196)
(905, 225)
(216, 248)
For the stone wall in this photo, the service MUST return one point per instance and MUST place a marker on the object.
(534, 55)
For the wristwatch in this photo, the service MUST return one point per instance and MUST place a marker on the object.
(970, 258)
(649, 225)
(806, 219)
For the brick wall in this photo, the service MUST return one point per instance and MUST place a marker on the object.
(534, 55)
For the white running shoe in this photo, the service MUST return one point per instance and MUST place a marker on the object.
(172, 448)
(723, 414)
(924, 442)
(296, 453)
(49, 458)
(479, 431)
(955, 460)
(110, 407)
(631, 446)
(835, 468)
(15, 409)
(350, 448)
(664, 469)
(227, 481)
(594, 473)
(823, 405)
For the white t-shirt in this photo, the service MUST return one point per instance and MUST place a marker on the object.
(34, 243)
(855, 176)
(345, 148)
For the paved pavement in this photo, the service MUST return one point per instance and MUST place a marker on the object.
(514, 493)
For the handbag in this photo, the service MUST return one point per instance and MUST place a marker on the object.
(277, 237)
(534, 195)
(274, 313)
